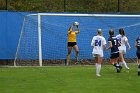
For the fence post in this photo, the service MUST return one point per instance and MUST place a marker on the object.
(64, 5)
(6, 5)
(118, 5)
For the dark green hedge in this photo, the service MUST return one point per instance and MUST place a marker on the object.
(130, 6)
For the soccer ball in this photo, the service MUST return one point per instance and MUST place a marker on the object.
(75, 23)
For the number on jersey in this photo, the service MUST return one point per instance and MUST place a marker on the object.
(97, 42)
(115, 42)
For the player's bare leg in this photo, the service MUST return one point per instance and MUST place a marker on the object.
(114, 62)
(68, 55)
(76, 52)
(138, 61)
(122, 61)
(98, 60)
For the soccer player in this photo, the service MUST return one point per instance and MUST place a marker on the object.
(98, 43)
(72, 42)
(113, 45)
(122, 49)
(137, 45)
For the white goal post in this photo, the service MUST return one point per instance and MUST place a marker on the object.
(39, 23)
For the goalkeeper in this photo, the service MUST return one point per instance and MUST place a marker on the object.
(72, 42)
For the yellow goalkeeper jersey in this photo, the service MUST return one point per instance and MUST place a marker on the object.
(72, 36)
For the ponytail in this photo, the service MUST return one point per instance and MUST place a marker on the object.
(122, 32)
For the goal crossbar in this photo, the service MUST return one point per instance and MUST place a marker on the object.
(84, 15)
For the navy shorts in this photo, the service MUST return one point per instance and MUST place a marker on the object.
(71, 44)
(114, 55)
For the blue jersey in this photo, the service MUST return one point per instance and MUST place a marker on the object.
(115, 44)
(138, 44)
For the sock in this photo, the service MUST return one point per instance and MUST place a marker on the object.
(125, 65)
(120, 63)
(139, 70)
(97, 70)
(76, 58)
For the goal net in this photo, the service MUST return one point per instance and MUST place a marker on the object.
(43, 38)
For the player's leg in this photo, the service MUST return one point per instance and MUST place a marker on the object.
(99, 64)
(122, 61)
(68, 55)
(114, 61)
(118, 68)
(138, 66)
(120, 57)
(115, 64)
(96, 64)
(98, 60)
(125, 64)
(138, 61)
(76, 52)
(138, 56)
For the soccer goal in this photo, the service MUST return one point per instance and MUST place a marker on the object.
(43, 38)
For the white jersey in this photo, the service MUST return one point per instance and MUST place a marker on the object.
(97, 43)
(122, 40)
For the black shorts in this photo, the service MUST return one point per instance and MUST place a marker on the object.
(71, 44)
(138, 55)
(114, 55)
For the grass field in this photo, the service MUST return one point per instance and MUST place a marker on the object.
(68, 79)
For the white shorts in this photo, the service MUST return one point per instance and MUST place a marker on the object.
(122, 49)
(97, 55)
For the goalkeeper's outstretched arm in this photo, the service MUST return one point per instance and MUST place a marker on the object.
(70, 29)
(78, 30)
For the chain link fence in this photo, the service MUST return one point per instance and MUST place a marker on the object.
(129, 6)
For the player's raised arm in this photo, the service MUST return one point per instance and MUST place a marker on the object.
(76, 24)
(78, 30)
(70, 29)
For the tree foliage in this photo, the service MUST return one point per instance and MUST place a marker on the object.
(129, 6)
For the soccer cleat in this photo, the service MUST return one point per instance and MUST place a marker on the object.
(127, 69)
(98, 75)
(118, 70)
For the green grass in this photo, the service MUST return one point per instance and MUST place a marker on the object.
(70, 79)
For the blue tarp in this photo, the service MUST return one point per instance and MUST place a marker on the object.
(54, 34)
